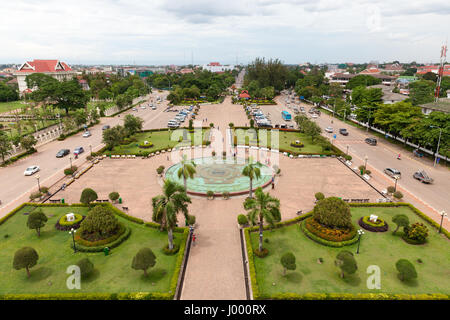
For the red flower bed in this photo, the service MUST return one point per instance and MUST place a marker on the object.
(330, 234)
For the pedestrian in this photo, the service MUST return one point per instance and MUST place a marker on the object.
(193, 239)
(167, 158)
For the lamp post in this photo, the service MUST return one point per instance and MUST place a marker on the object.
(72, 232)
(396, 179)
(39, 186)
(90, 146)
(360, 233)
(443, 214)
(347, 149)
(70, 158)
(439, 141)
(365, 162)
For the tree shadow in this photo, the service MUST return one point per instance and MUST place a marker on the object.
(40, 274)
(93, 276)
(409, 283)
(154, 275)
(352, 279)
(294, 277)
(46, 234)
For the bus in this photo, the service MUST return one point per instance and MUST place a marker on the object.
(286, 115)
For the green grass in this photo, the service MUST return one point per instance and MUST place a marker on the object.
(285, 138)
(11, 105)
(26, 129)
(381, 249)
(160, 140)
(113, 273)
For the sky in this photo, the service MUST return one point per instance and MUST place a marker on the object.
(160, 32)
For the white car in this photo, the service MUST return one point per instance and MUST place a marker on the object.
(314, 116)
(86, 134)
(143, 107)
(31, 170)
(329, 129)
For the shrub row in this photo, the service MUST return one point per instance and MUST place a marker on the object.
(90, 296)
(328, 234)
(18, 157)
(68, 225)
(358, 296)
(103, 243)
(324, 242)
(179, 263)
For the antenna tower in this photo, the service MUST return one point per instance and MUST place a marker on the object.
(440, 72)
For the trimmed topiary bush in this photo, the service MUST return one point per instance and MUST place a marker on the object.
(333, 212)
(379, 226)
(114, 196)
(400, 220)
(417, 233)
(65, 225)
(36, 220)
(160, 170)
(226, 195)
(398, 195)
(210, 194)
(391, 189)
(70, 171)
(346, 262)
(144, 259)
(242, 219)
(25, 257)
(88, 195)
(35, 195)
(100, 224)
(288, 262)
(319, 196)
(406, 270)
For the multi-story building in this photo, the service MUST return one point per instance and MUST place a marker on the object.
(55, 68)
(217, 67)
(433, 69)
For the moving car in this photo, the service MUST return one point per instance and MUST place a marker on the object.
(134, 109)
(371, 141)
(78, 150)
(63, 152)
(422, 176)
(314, 116)
(343, 131)
(329, 129)
(106, 127)
(153, 107)
(31, 170)
(143, 106)
(392, 172)
(87, 134)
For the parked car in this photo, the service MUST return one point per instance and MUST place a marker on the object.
(134, 109)
(31, 170)
(422, 176)
(87, 134)
(63, 152)
(106, 127)
(343, 131)
(78, 150)
(392, 172)
(371, 141)
(143, 106)
(329, 129)
(314, 116)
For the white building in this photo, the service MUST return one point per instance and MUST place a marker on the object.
(55, 68)
(217, 67)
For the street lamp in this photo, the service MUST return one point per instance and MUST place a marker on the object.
(396, 179)
(347, 149)
(72, 232)
(70, 158)
(365, 162)
(443, 214)
(439, 141)
(90, 146)
(360, 233)
(39, 186)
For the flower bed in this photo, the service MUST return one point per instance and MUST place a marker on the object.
(65, 225)
(145, 146)
(329, 234)
(297, 145)
(101, 242)
(379, 226)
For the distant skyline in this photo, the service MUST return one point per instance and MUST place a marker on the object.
(163, 32)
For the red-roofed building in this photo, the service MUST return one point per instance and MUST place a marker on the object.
(55, 68)
(244, 95)
(434, 69)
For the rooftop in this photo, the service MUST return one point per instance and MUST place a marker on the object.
(442, 105)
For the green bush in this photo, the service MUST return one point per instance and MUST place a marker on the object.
(191, 220)
(70, 171)
(113, 196)
(35, 195)
(88, 195)
(25, 257)
(346, 262)
(226, 195)
(86, 267)
(210, 194)
(398, 195)
(44, 190)
(242, 219)
(171, 252)
(417, 232)
(319, 196)
(144, 259)
(99, 224)
(63, 220)
(401, 220)
(99, 246)
(348, 157)
(391, 189)
(145, 146)
(333, 212)
(36, 220)
(406, 270)
(288, 262)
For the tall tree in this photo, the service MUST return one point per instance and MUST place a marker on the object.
(262, 208)
(186, 170)
(5, 145)
(421, 91)
(252, 170)
(166, 207)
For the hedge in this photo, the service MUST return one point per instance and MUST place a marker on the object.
(358, 296)
(18, 157)
(124, 236)
(90, 296)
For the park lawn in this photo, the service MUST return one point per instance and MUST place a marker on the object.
(285, 138)
(112, 274)
(382, 249)
(11, 105)
(26, 129)
(161, 140)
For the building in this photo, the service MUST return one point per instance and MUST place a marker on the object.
(186, 70)
(244, 95)
(389, 97)
(394, 68)
(84, 84)
(443, 105)
(371, 70)
(341, 78)
(434, 69)
(55, 68)
(217, 67)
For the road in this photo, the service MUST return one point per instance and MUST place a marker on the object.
(14, 185)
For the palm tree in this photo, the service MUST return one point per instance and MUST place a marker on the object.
(262, 207)
(252, 171)
(167, 205)
(187, 170)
